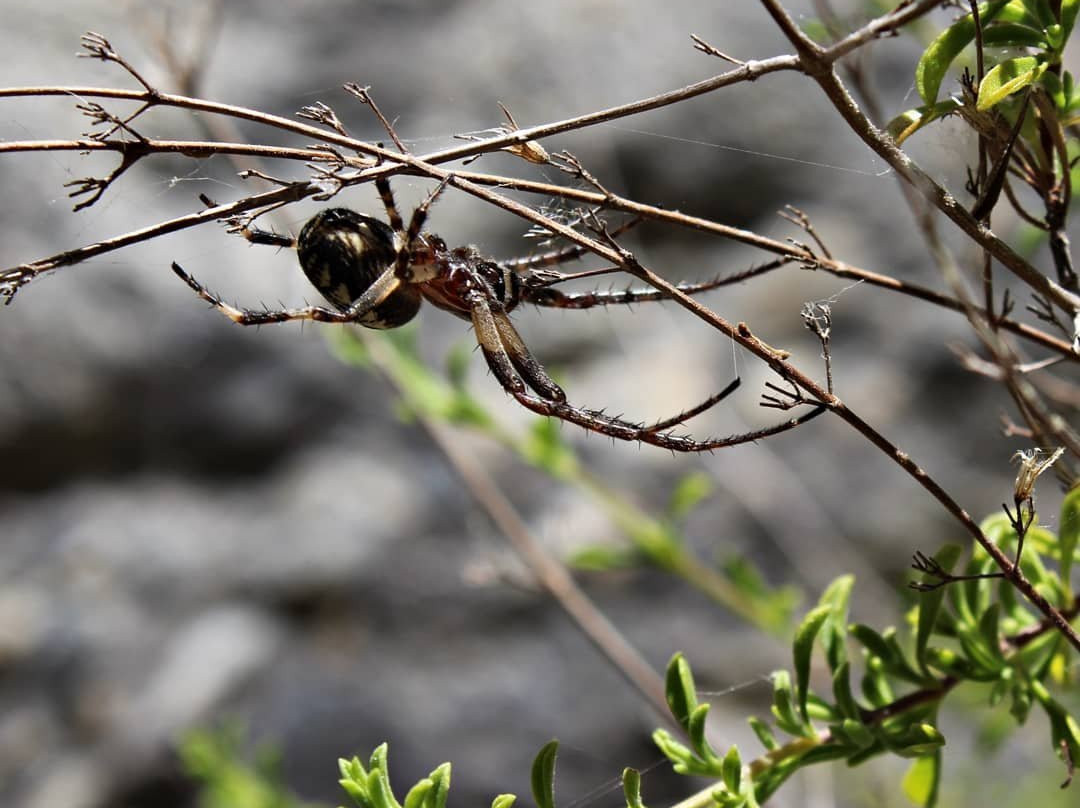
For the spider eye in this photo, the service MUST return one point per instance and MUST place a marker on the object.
(343, 252)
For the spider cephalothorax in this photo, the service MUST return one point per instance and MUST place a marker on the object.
(377, 275)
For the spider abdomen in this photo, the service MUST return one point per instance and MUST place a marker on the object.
(343, 252)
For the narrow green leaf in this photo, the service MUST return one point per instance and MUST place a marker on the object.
(764, 733)
(1068, 17)
(731, 770)
(418, 794)
(857, 732)
(1014, 35)
(545, 448)
(679, 689)
(875, 688)
(939, 55)
(918, 740)
(989, 629)
(911, 121)
(504, 801)
(1039, 12)
(783, 706)
(845, 699)
(1007, 78)
(930, 604)
(631, 786)
(834, 636)
(803, 647)
(543, 775)
(873, 642)
(680, 756)
(440, 779)
(379, 790)
(688, 493)
(920, 784)
(605, 557)
(695, 728)
(357, 794)
(1021, 701)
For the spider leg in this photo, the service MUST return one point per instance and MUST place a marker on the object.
(561, 256)
(686, 415)
(416, 224)
(382, 288)
(629, 431)
(546, 295)
(521, 358)
(382, 185)
(493, 331)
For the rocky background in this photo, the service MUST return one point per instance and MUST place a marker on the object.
(202, 522)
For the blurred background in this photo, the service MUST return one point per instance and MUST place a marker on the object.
(203, 523)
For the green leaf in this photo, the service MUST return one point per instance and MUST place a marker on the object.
(845, 699)
(1069, 526)
(873, 642)
(440, 779)
(834, 636)
(1068, 17)
(921, 782)
(939, 55)
(1007, 78)
(545, 448)
(764, 733)
(918, 740)
(875, 688)
(1063, 727)
(803, 647)
(1039, 11)
(911, 121)
(1021, 701)
(783, 708)
(418, 794)
(503, 801)
(930, 603)
(688, 494)
(1014, 35)
(679, 689)
(605, 557)
(696, 730)
(543, 775)
(731, 770)
(631, 786)
(856, 733)
(677, 753)
(989, 629)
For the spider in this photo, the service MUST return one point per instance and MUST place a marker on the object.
(377, 275)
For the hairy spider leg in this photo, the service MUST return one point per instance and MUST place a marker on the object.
(546, 295)
(561, 256)
(382, 185)
(405, 256)
(628, 431)
(381, 289)
(521, 358)
(493, 330)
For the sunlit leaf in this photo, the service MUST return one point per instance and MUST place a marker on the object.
(939, 55)
(543, 775)
(1007, 78)
(920, 784)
